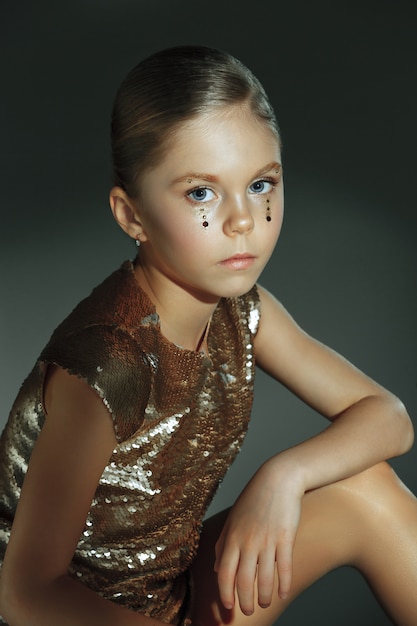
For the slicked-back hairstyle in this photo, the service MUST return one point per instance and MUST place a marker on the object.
(165, 90)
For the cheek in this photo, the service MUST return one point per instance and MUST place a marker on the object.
(279, 219)
(270, 214)
(277, 212)
(181, 240)
(272, 229)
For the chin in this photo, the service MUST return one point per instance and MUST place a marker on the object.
(238, 289)
(232, 287)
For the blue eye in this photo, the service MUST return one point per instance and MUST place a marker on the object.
(201, 194)
(261, 186)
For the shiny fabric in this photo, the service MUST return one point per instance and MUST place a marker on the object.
(179, 417)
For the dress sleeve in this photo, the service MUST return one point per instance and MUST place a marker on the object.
(247, 310)
(112, 363)
(253, 309)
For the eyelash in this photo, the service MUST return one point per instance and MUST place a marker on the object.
(269, 181)
(202, 188)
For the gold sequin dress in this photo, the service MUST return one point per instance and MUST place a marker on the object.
(179, 417)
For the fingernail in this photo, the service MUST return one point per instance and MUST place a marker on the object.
(264, 605)
(249, 613)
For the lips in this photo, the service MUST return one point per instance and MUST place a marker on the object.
(238, 261)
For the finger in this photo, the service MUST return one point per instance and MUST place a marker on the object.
(284, 568)
(266, 577)
(245, 582)
(218, 549)
(226, 567)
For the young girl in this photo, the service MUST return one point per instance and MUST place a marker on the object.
(140, 401)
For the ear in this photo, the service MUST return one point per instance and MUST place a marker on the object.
(126, 213)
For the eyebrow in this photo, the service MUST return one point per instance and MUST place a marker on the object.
(190, 176)
(274, 165)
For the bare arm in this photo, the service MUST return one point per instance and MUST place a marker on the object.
(56, 496)
(368, 425)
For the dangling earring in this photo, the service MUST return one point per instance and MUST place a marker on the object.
(137, 242)
(268, 211)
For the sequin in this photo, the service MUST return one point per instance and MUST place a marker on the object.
(253, 321)
(179, 417)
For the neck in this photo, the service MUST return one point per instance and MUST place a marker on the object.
(184, 317)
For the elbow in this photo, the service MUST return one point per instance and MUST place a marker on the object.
(410, 434)
(15, 604)
(8, 602)
(405, 427)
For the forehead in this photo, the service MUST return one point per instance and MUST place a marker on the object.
(222, 137)
(237, 117)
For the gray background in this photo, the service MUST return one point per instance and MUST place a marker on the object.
(342, 77)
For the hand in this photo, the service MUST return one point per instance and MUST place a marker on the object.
(257, 540)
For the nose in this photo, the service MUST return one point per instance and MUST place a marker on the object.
(239, 220)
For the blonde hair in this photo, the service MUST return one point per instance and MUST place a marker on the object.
(165, 90)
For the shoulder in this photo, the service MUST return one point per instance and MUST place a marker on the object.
(314, 372)
(111, 362)
(273, 320)
(103, 343)
(273, 313)
(245, 310)
(104, 328)
(116, 301)
(279, 337)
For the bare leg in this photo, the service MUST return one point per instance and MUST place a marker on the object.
(368, 521)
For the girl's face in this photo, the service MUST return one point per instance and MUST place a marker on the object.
(212, 209)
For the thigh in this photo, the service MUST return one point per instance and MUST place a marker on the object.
(324, 541)
(368, 521)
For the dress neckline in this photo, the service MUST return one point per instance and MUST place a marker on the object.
(152, 318)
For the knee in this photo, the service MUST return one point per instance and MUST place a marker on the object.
(379, 496)
(371, 479)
